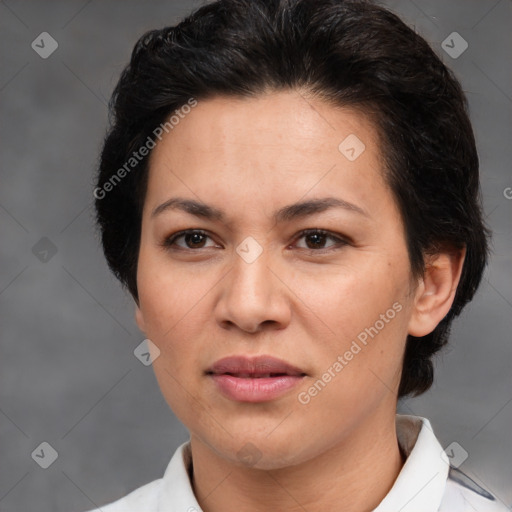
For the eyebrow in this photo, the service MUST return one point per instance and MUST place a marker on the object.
(285, 214)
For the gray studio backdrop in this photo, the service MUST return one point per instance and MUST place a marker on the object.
(69, 377)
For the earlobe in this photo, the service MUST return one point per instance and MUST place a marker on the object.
(139, 318)
(436, 291)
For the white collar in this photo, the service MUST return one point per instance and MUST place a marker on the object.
(420, 484)
(419, 487)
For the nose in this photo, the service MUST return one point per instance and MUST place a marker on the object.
(254, 296)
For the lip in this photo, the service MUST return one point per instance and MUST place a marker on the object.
(254, 379)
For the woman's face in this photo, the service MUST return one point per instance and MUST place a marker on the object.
(336, 306)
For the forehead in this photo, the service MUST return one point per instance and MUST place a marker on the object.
(289, 119)
(265, 150)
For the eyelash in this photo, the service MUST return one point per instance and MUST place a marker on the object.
(169, 241)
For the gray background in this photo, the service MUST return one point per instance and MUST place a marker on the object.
(68, 373)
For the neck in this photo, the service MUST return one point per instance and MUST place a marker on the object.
(353, 475)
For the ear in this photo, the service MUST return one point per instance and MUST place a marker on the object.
(139, 318)
(436, 291)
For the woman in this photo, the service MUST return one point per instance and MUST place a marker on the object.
(289, 190)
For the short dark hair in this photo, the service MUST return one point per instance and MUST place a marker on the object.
(348, 53)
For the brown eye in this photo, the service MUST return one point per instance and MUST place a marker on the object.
(316, 239)
(192, 238)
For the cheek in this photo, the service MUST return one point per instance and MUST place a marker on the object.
(173, 304)
(179, 388)
(353, 296)
(363, 310)
(168, 294)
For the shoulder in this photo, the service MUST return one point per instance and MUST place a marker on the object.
(171, 492)
(143, 498)
(462, 494)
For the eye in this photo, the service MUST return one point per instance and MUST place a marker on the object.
(196, 239)
(317, 239)
(193, 239)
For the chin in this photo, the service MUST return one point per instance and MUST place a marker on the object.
(261, 451)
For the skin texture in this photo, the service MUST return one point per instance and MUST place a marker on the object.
(201, 302)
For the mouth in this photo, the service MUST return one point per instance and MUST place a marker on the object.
(254, 367)
(257, 379)
(255, 375)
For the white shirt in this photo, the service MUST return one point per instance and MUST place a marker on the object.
(426, 483)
